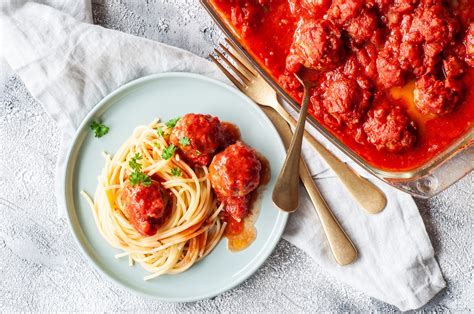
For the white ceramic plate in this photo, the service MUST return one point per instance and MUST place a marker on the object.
(167, 96)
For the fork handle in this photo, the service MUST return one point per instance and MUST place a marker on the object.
(285, 192)
(341, 246)
(367, 194)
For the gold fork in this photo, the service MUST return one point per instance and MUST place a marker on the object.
(367, 195)
(341, 246)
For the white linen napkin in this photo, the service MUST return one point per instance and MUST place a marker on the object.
(69, 65)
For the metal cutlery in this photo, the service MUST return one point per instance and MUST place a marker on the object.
(341, 246)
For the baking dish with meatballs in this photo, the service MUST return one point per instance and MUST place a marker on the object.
(392, 78)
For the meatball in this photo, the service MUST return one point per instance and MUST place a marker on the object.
(318, 110)
(389, 69)
(395, 12)
(198, 137)
(433, 24)
(389, 128)
(317, 45)
(235, 171)
(410, 57)
(343, 10)
(362, 27)
(234, 174)
(417, 40)
(345, 100)
(146, 206)
(432, 28)
(435, 96)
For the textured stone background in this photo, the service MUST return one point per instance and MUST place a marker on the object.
(42, 269)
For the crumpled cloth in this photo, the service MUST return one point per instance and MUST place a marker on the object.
(68, 64)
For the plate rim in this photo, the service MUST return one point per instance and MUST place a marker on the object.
(71, 214)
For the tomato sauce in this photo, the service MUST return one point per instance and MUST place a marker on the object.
(269, 40)
(240, 234)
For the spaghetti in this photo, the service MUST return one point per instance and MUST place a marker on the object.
(192, 226)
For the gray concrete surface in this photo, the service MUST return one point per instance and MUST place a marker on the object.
(42, 269)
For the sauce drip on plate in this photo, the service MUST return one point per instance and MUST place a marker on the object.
(241, 234)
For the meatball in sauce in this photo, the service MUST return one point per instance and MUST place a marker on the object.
(146, 206)
(198, 137)
(389, 128)
(317, 45)
(345, 100)
(235, 173)
(437, 97)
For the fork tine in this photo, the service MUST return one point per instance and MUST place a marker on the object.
(238, 61)
(242, 76)
(242, 59)
(227, 73)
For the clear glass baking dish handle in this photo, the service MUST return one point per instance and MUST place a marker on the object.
(441, 177)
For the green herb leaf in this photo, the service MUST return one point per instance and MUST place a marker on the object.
(197, 152)
(176, 172)
(138, 176)
(99, 129)
(160, 131)
(168, 152)
(184, 141)
(134, 164)
(172, 122)
(156, 144)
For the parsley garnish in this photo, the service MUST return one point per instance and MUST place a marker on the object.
(99, 129)
(138, 176)
(168, 152)
(172, 122)
(160, 131)
(176, 172)
(197, 152)
(134, 164)
(184, 141)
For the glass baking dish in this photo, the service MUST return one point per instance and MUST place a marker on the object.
(427, 180)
